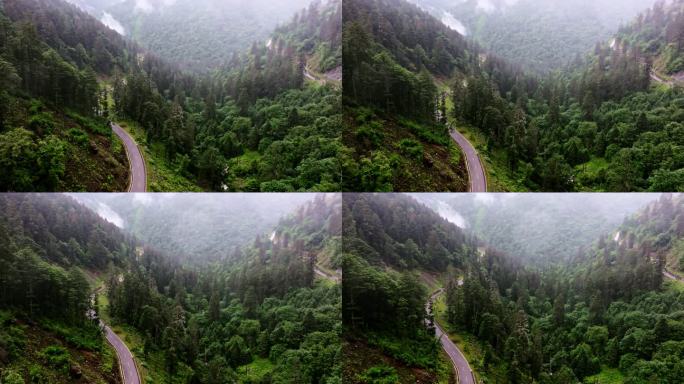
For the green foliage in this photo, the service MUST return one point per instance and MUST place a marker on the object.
(379, 375)
(57, 357)
(412, 148)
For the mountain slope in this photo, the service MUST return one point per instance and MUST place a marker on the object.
(540, 35)
(53, 129)
(398, 60)
(521, 224)
(393, 249)
(195, 230)
(262, 314)
(257, 124)
(593, 127)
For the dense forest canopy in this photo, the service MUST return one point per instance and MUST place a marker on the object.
(256, 124)
(215, 323)
(613, 309)
(609, 122)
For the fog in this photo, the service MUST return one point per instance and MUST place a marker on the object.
(195, 227)
(538, 227)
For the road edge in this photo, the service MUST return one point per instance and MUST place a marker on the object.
(435, 322)
(479, 159)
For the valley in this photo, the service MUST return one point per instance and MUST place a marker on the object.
(259, 314)
(254, 121)
(508, 317)
(584, 121)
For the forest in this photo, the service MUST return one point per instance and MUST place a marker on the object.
(388, 238)
(611, 313)
(608, 122)
(256, 124)
(260, 317)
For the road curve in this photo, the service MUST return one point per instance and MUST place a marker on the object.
(460, 363)
(326, 275)
(129, 371)
(656, 78)
(672, 276)
(476, 173)
(138, 174)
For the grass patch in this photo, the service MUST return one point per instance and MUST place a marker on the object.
(256, 371)
(606, 376)
(675, 285)
(593, 172)
(242, 170)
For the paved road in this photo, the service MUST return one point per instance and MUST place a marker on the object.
(127, 368)
(476, 173)
(333, 76)
(672, 276)
(463, 370)
(138, 178)
(129, 371)
(326, 275)
(657, 78)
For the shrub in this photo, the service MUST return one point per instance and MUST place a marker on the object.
(411, 148)
(42, 123)
(78, 137)
(56, 356)
(381, 374)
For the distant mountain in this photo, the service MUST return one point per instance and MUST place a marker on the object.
(195, 230)
(541, 35)
(522, 225)
(196, 34)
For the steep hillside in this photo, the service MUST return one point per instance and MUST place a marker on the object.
(54, 133)
(392, 246)
(47, 246)
(260, 124)
(263, 315)
(612, 312)
(398, 60)
(607, 123)
(592, 128)
(658, 32)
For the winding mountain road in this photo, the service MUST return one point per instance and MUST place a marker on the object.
(460, 363)
(476, 173)
(656, 78)
(127, 367)
(672, 276)
(326, 275)
(129, 371)
(138, 174)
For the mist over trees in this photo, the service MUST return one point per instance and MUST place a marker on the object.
(201, 323)
(197, 230)
(522, 224)
(541, 35)
(187, 32)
